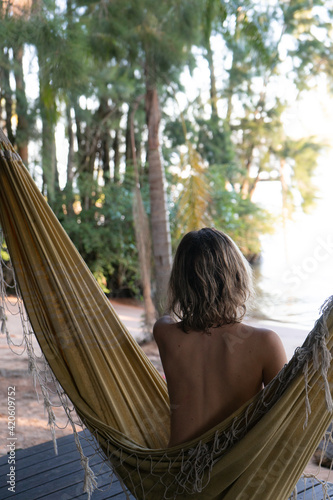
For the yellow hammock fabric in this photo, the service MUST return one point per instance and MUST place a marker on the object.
(258, 453)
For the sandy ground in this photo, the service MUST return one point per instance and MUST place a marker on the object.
(31, 421)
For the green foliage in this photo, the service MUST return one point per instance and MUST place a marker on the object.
(151, 39)
(309, 22)
(305, 158)
(4, 253)
(95, 60)
(194, 197)
(239, 217)
(215, 145)
(104, 236)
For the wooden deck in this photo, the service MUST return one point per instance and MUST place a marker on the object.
(313, 490)
(42, 475)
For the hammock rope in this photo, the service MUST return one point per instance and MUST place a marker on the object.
(91, 361)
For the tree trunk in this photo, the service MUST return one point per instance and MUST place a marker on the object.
(22, 134)
(116, 157)
(213, 93)
(7, 94)
(47, 114)
(49, 162)
(70, 161)
(105, 155)
(254, 184)
(245, 187)
(87, 140)
(142, 235)
(128, 146)
(159, 214)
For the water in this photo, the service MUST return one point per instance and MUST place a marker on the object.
(295, 276)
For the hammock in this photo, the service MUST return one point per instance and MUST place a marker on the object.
(257, 453)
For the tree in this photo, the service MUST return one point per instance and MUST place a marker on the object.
(13, 31)
(142, 234)
(242, 140)
(155, 40)
(97, 58)
(257, 60)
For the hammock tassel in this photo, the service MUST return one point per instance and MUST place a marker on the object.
(2, 320)
(90, 481)
(321, 355)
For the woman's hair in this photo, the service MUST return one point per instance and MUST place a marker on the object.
(210, 281)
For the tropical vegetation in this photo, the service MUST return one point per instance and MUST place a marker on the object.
(141, 120)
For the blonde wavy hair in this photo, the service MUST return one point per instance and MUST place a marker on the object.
(210, 281)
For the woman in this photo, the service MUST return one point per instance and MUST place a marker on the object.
(213, 363)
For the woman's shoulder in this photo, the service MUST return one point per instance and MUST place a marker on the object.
(263, 334)
(163, 326)
(164, 321)
(268, 342)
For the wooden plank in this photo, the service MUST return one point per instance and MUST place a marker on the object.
(40, 474)
(38, 459)
(53, 477)
(311, 489)
(63, 460)
(56, 483)
(63, 443)
(115, 491)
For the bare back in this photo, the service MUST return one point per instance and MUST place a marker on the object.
(211, 376)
